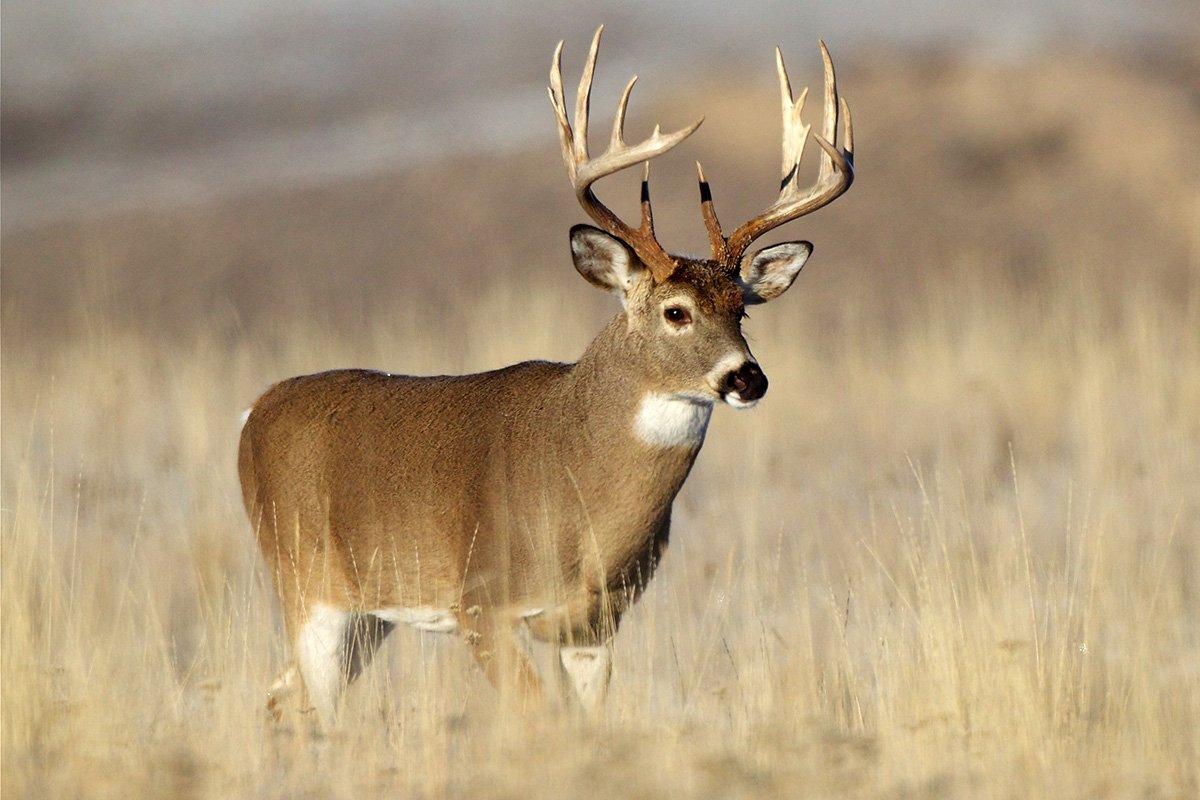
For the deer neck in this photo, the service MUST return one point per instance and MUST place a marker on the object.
(622, 414)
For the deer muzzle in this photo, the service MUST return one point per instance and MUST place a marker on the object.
(744, 386)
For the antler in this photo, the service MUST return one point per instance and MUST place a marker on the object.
(585, 171)
(834, 176)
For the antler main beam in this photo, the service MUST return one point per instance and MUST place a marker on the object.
(584, 171)
(834, 175)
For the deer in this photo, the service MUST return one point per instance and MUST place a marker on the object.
(533, 502)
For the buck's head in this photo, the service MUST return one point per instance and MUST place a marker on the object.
(685, 314)
(688, 326)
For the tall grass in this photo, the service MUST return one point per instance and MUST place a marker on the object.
(957, 558)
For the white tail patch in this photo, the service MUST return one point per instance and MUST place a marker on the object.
(672, 420)
(423, 618)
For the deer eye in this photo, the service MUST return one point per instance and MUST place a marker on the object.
(676, 315)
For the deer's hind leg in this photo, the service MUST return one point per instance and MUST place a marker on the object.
(319, 655)
(333, 647)
(283, 687)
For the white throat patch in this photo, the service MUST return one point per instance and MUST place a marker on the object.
(672, 420)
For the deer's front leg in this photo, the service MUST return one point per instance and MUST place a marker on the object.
(495, 643)
(587, 671)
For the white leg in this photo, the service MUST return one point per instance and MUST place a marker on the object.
(320, 654)
(588, 670)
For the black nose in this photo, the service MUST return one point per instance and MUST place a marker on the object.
(748, 381)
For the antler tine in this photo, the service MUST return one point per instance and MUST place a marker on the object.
(647, 211)
(618, 131)
(848, 135)
(716, 239)
(560, 110)
(795, 132)
(834, 176)
(584, 96)
(584, 171)
(829, 112)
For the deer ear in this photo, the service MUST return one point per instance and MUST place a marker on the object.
(772, 271)
(604, 260)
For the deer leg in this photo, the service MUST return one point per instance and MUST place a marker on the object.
(321, 657)
(363, 636)
(332, 649)
(283, 688)
(582, 632)
(496, 645)
(587, 671)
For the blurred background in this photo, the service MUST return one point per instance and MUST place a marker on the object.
(957, 546)
(221, 150)
(109, 105)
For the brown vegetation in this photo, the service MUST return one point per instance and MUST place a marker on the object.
(955, 552)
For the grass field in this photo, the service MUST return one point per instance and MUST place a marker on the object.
(955, 552)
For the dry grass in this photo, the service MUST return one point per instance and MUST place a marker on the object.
(955, 553)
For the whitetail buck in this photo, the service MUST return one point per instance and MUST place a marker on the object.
(538, 495)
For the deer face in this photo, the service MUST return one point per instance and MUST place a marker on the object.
(687, 328)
